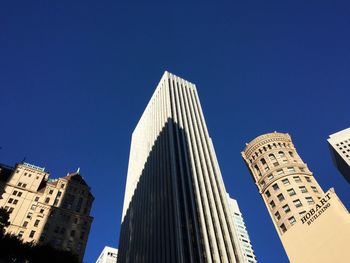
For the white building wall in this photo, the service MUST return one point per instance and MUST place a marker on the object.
(241, 230)
(108, 255)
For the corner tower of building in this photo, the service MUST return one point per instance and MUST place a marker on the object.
(285, 183)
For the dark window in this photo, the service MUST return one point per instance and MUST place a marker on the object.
(31, 234)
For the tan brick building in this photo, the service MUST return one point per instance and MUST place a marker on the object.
(313, 226)
(47, 211)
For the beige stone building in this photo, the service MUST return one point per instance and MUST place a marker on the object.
(47, 211)
(313, 226)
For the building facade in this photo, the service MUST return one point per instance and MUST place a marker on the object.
(285, 183)
(313, 226)
(108, 255)
(175, 204)
(48, 211)
(339, 145)
(242, 232)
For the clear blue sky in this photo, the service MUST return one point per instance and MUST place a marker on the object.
(75, 77)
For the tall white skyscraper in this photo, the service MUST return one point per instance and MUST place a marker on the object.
(242, 232)
(175, 205)
(340, 150)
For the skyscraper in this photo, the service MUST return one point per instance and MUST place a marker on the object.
(313, 226)
(43, 210)
(175, 204)
(339, 145)
(242, 232)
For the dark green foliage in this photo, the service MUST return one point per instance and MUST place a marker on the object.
(4, 220)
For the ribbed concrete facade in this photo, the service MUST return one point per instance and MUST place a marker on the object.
(175, 206)
(285, 183)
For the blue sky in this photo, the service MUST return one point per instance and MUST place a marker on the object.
(75, 77)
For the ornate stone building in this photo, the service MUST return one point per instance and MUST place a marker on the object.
(47, 211)
(314, 226)
(285, 183)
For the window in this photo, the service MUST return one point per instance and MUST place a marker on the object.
(59, 193)
(286, 208)
(25, 223)
(272, 204)
(277, 215)
(24, 185)
(14, 192)
(29, 215)
(19, 184)
(20, 234)
(19, 194)
(50, 192)
(47, 200)
(31, 235)
(302, 169)
(267, 194)
(36, 222)
(280, 197)
(280, 172)
(36, 199)
(292, 220)
(309, 200)
(270, 177)
(291, 192)
(265, 166)
(302, 213)
(62, 185)
(10, 201)
(290, 169)
(314, 189)
(283, 157)
(41, 211)
(283, 228)
(297, 203)
(291, 154)
(10, 210)
(285, 181)
(275, 187)
(273, 159)
(308, 179)
(297, 179)
(303, 189)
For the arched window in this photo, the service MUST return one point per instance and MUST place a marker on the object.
(291, 154)
(257, 170)
(264, 148)
(282, 156)
(264, 164)
(273, 159)
(269, 146)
